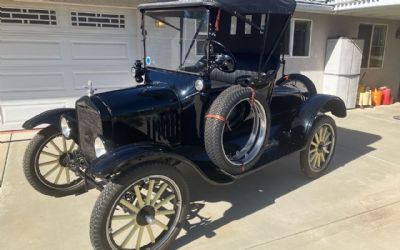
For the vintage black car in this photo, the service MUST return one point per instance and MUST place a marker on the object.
(209, 102)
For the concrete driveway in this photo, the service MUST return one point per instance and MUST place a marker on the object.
(356, 205)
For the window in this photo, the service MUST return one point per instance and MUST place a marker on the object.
(374, 37)
(97, 20)
(297, 40)
(28, 16)
(201, 38)
(233, 25)
(247, 27)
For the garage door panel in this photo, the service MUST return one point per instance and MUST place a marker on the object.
(30, 50)
(99, 51)
(48, 66)
(19, 112)
(31, 82)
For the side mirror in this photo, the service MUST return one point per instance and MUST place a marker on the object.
(225, 63)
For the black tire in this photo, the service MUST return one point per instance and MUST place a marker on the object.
(215, 128)
(308, 167)
(301, 82)
(33, 173)
(100, 236)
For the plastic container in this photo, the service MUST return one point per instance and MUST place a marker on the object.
(387, 96)
(377, 97)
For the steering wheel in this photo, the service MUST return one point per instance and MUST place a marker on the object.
(225, 61)
(220, 45)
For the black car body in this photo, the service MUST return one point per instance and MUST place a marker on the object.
(211, 104)
(166, 114)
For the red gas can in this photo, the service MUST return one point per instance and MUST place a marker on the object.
(387, 96)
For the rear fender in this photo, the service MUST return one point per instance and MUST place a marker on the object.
(310, 110)
(130, 156)
(51, 117)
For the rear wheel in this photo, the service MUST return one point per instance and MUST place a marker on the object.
(299, 82)
(142, 209)
(320, 148)
(45, 164)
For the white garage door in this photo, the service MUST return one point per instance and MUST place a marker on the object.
(49, 52)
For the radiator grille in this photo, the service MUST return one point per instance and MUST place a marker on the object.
(90, 127)
(164, 127)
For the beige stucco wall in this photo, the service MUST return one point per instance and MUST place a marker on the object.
(331, 26)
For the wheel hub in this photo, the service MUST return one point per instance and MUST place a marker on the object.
(146, 216)
(64, 159)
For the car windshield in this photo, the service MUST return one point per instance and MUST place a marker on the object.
(176, 39)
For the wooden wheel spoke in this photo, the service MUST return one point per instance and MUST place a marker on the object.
(159, 193)
(314, 144)
(165, 201)
(165, 212)
(318, 160)
(59, 175)
(149, 192)
(326, 138)
(326, 151)
(47, 163)
(50, 154)
(138, 196)
(316, 138)
(130, 206)
(124, 228)
(123, 217)
(64, 144)
(151, 235)
(67, 176)
(322, 157)
(130, 236)
(51, 171)
(139, 238)
(162, 225)
(320, 134)
(314, 160)
(56, 147)
(324, 131)
(72, 146)
(313, 156)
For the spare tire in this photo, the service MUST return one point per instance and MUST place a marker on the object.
(237, 148)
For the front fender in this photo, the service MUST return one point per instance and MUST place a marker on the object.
(51, 117)
(130, 156)
(311, 109)
(126, 156)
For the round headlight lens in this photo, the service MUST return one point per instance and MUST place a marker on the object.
(199, 85)
(99, 147)
(65, 128)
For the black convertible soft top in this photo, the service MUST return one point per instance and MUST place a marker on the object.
(242, 6)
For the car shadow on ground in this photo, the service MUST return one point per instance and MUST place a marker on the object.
(262, 189)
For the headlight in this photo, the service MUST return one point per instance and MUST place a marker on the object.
(66, 129)
(199, 85)
(99, 147)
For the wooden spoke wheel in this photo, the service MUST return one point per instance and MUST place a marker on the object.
(46, 164)
(140, 212)
(320, 148)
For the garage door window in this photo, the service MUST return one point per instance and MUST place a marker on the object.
(99, 20)
(28, 16)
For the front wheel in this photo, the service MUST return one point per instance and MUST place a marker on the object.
(142, 209)
(45, 164)
(320, 147)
